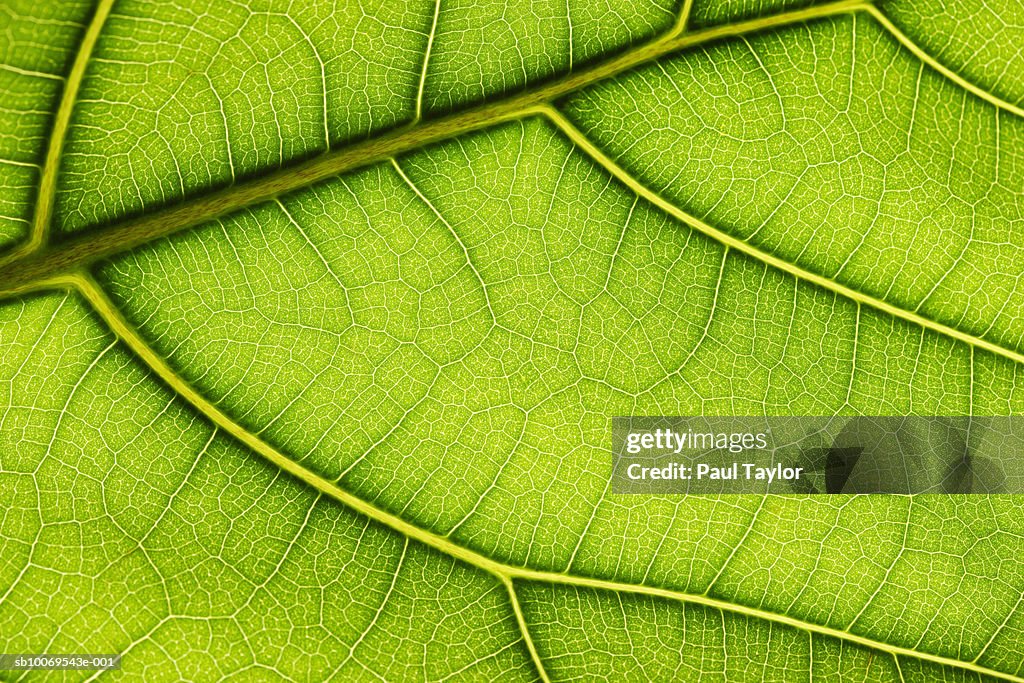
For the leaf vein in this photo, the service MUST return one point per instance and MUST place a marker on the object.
(602, 159)
(97, 298)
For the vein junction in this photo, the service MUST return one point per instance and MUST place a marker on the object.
(507, 574)
(20, 271)
(64, 264)
(31, 267)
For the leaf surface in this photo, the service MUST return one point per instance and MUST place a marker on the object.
(314, 339)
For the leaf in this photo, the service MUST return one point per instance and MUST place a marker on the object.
(315, 316)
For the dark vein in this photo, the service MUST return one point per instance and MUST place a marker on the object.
(87, 247)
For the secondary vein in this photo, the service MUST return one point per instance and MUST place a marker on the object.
(48, 182)
(23, 271)
(606, 162)
(505, 573)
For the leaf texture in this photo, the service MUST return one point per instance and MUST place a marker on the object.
(315, 316)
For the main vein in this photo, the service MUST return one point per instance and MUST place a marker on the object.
(42, 263)
(506, 573)
(34, 265)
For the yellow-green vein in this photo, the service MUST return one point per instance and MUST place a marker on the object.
(606, 162)
(524, 628)
(505, 573)
(62, 120)
(921, 54)
(23, 267)
(19, 274)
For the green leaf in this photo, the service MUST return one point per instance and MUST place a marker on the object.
(315, 316)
